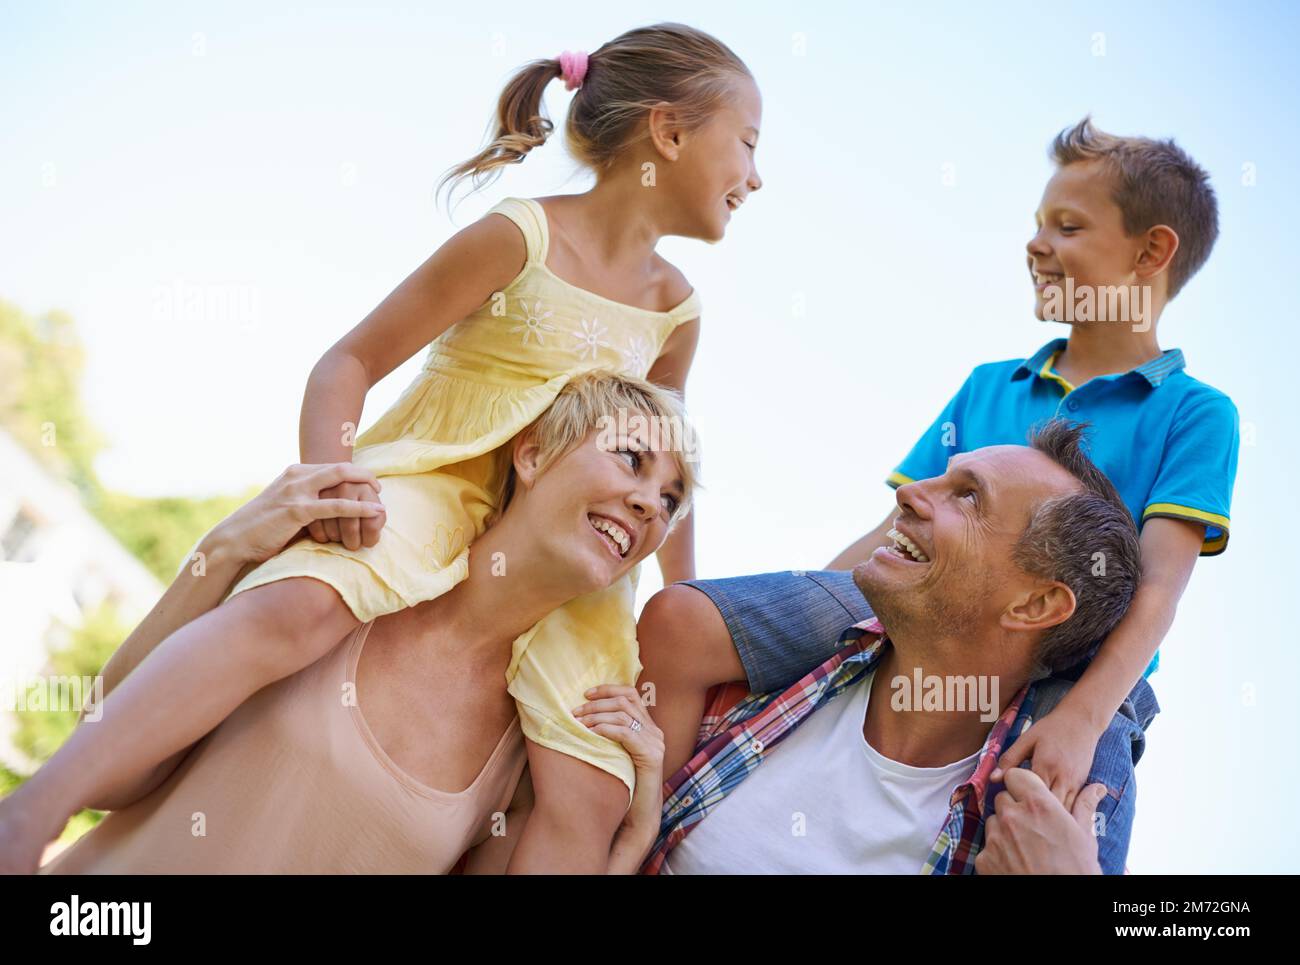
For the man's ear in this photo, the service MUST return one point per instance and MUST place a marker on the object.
(526, 457)
(665, 131)
(1159, 244)
(1040, 608)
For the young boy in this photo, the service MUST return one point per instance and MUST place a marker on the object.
(1122, 226)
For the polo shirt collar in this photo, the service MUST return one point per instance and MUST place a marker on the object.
(1155, 372)
(1034, 364)
(1159, 369)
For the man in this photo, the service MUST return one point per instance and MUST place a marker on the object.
(1005, 570)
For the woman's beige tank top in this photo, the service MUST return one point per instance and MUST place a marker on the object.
(294, 782)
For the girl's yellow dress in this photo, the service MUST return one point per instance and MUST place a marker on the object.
(485, 379)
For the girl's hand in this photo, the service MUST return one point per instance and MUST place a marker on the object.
(1060, 747)
(610, 712)
(351, 531)
(298, 498)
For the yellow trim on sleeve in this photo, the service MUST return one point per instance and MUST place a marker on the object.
(1174, 509)
(897, 479)
(1047, 373)
(1214, 545)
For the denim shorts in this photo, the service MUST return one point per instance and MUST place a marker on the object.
(788, 623)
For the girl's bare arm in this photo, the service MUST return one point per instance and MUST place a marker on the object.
(460, 276)
(456, 279)
(199, 587)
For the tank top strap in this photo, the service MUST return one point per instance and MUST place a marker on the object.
(531, 219)
(688, 309)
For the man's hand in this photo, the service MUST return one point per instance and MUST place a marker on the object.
(352, 532)
(1031, 833)
(1060, 746)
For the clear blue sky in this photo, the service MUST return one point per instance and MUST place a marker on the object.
(286, 155)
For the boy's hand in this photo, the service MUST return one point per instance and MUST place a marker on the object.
(352, 533)
(1060, 746)
(1030, 833)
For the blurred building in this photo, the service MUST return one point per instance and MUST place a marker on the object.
(57, 563)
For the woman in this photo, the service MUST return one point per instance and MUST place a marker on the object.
(401, 755)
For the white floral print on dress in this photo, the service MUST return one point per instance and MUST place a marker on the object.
(534, 322)
(589, 339)
(636, 357)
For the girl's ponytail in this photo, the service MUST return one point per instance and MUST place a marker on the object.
(666, 63)
(521, 125)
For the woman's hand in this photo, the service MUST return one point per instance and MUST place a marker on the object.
(279, 514)
(617, 713)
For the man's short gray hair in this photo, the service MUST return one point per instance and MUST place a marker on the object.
(1086, 540)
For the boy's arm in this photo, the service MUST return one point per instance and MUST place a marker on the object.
(1192, 489)
(1170, 548)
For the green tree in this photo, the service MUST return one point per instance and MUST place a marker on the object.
(159, 531)
(41, 364)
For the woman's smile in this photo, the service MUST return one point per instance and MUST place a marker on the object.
(616, 538)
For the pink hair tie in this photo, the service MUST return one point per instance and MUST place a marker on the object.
(573, 68)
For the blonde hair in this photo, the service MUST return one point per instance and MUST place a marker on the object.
(669, 62)
(596, 401)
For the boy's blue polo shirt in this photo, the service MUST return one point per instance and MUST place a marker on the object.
(1167, 442)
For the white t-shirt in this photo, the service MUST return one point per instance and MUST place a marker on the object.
(825, 802)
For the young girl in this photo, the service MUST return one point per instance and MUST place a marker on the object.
(515, 305)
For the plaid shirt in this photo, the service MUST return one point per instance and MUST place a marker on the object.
(739, 729)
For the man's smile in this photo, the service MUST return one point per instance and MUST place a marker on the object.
(905, 547)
